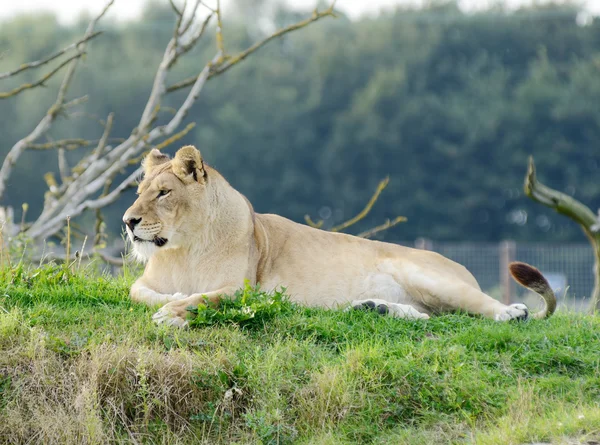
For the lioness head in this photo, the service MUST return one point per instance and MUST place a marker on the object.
(170, 200)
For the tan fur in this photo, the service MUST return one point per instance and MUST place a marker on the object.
(214, 241)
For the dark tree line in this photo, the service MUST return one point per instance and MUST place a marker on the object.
(449, 106)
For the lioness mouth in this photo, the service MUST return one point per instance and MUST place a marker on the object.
(158, 241)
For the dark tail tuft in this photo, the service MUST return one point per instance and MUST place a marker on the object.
(532, 278)
(527, 275)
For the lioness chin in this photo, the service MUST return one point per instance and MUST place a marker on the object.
(200, 239)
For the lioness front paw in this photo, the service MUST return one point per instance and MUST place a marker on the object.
(172, 314)
(178, 296)
(517, 311)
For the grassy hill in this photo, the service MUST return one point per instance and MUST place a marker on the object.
(80, 363)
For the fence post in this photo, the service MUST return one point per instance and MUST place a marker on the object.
(508, 252)
(423, 244)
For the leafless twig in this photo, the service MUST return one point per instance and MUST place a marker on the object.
(69, 144)
(385, 226)
(42, 80)
(49, 58)
(234, 60)
(361, 215)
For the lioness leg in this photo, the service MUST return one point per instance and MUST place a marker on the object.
(442, 293)
(385, 307)
(142, 294)
(174, 313)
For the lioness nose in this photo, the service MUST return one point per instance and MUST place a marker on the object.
(132, 222)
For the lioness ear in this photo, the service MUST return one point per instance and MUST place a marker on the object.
(188, 161)
(153, 159)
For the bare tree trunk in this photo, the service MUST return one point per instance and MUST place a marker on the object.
(575, 210)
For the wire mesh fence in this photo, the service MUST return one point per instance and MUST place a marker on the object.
(568, 267)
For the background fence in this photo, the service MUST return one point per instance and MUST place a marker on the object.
(567, 266)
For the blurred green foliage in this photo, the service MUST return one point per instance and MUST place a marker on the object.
(448, 105)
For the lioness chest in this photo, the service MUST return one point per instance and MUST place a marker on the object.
(187, 275)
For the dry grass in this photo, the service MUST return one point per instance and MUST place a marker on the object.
(100, 394)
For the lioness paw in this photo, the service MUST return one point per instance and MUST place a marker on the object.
(517, 311)
(171, 315)
(371, 305)
(406, 311)
(394, 309)
(178, 296)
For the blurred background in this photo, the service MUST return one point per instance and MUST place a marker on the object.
(448, 99)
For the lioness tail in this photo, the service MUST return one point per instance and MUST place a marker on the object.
(532, 279)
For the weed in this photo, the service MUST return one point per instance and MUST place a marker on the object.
(248, 307)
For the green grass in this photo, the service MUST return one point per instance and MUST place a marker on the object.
(81, 363)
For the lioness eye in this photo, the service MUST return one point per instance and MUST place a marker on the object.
(163, 193)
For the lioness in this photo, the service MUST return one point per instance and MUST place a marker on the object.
(201, 238)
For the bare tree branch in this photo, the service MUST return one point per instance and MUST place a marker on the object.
(192, 17)
(311, 223)
(104, 139)
(96, 153)
(219, 36)
(63, 166)
(158, 88)
(164, 143)
(42, 80)
(195, 37)
(49, 58)
(577, 211)
(561, 202)
(234, 60)
(112, 260)
(361, 215)
(51, 257)
(112, 196)
(43, 126)
(87, 187)
(386, 225)
(76, 101)
(364, 212)
(99, 232)
(178, 13)
(68, 144)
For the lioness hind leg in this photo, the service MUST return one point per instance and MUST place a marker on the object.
(449, 295)
(387, 308)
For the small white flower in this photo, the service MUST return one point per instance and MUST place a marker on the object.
(228, 397)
